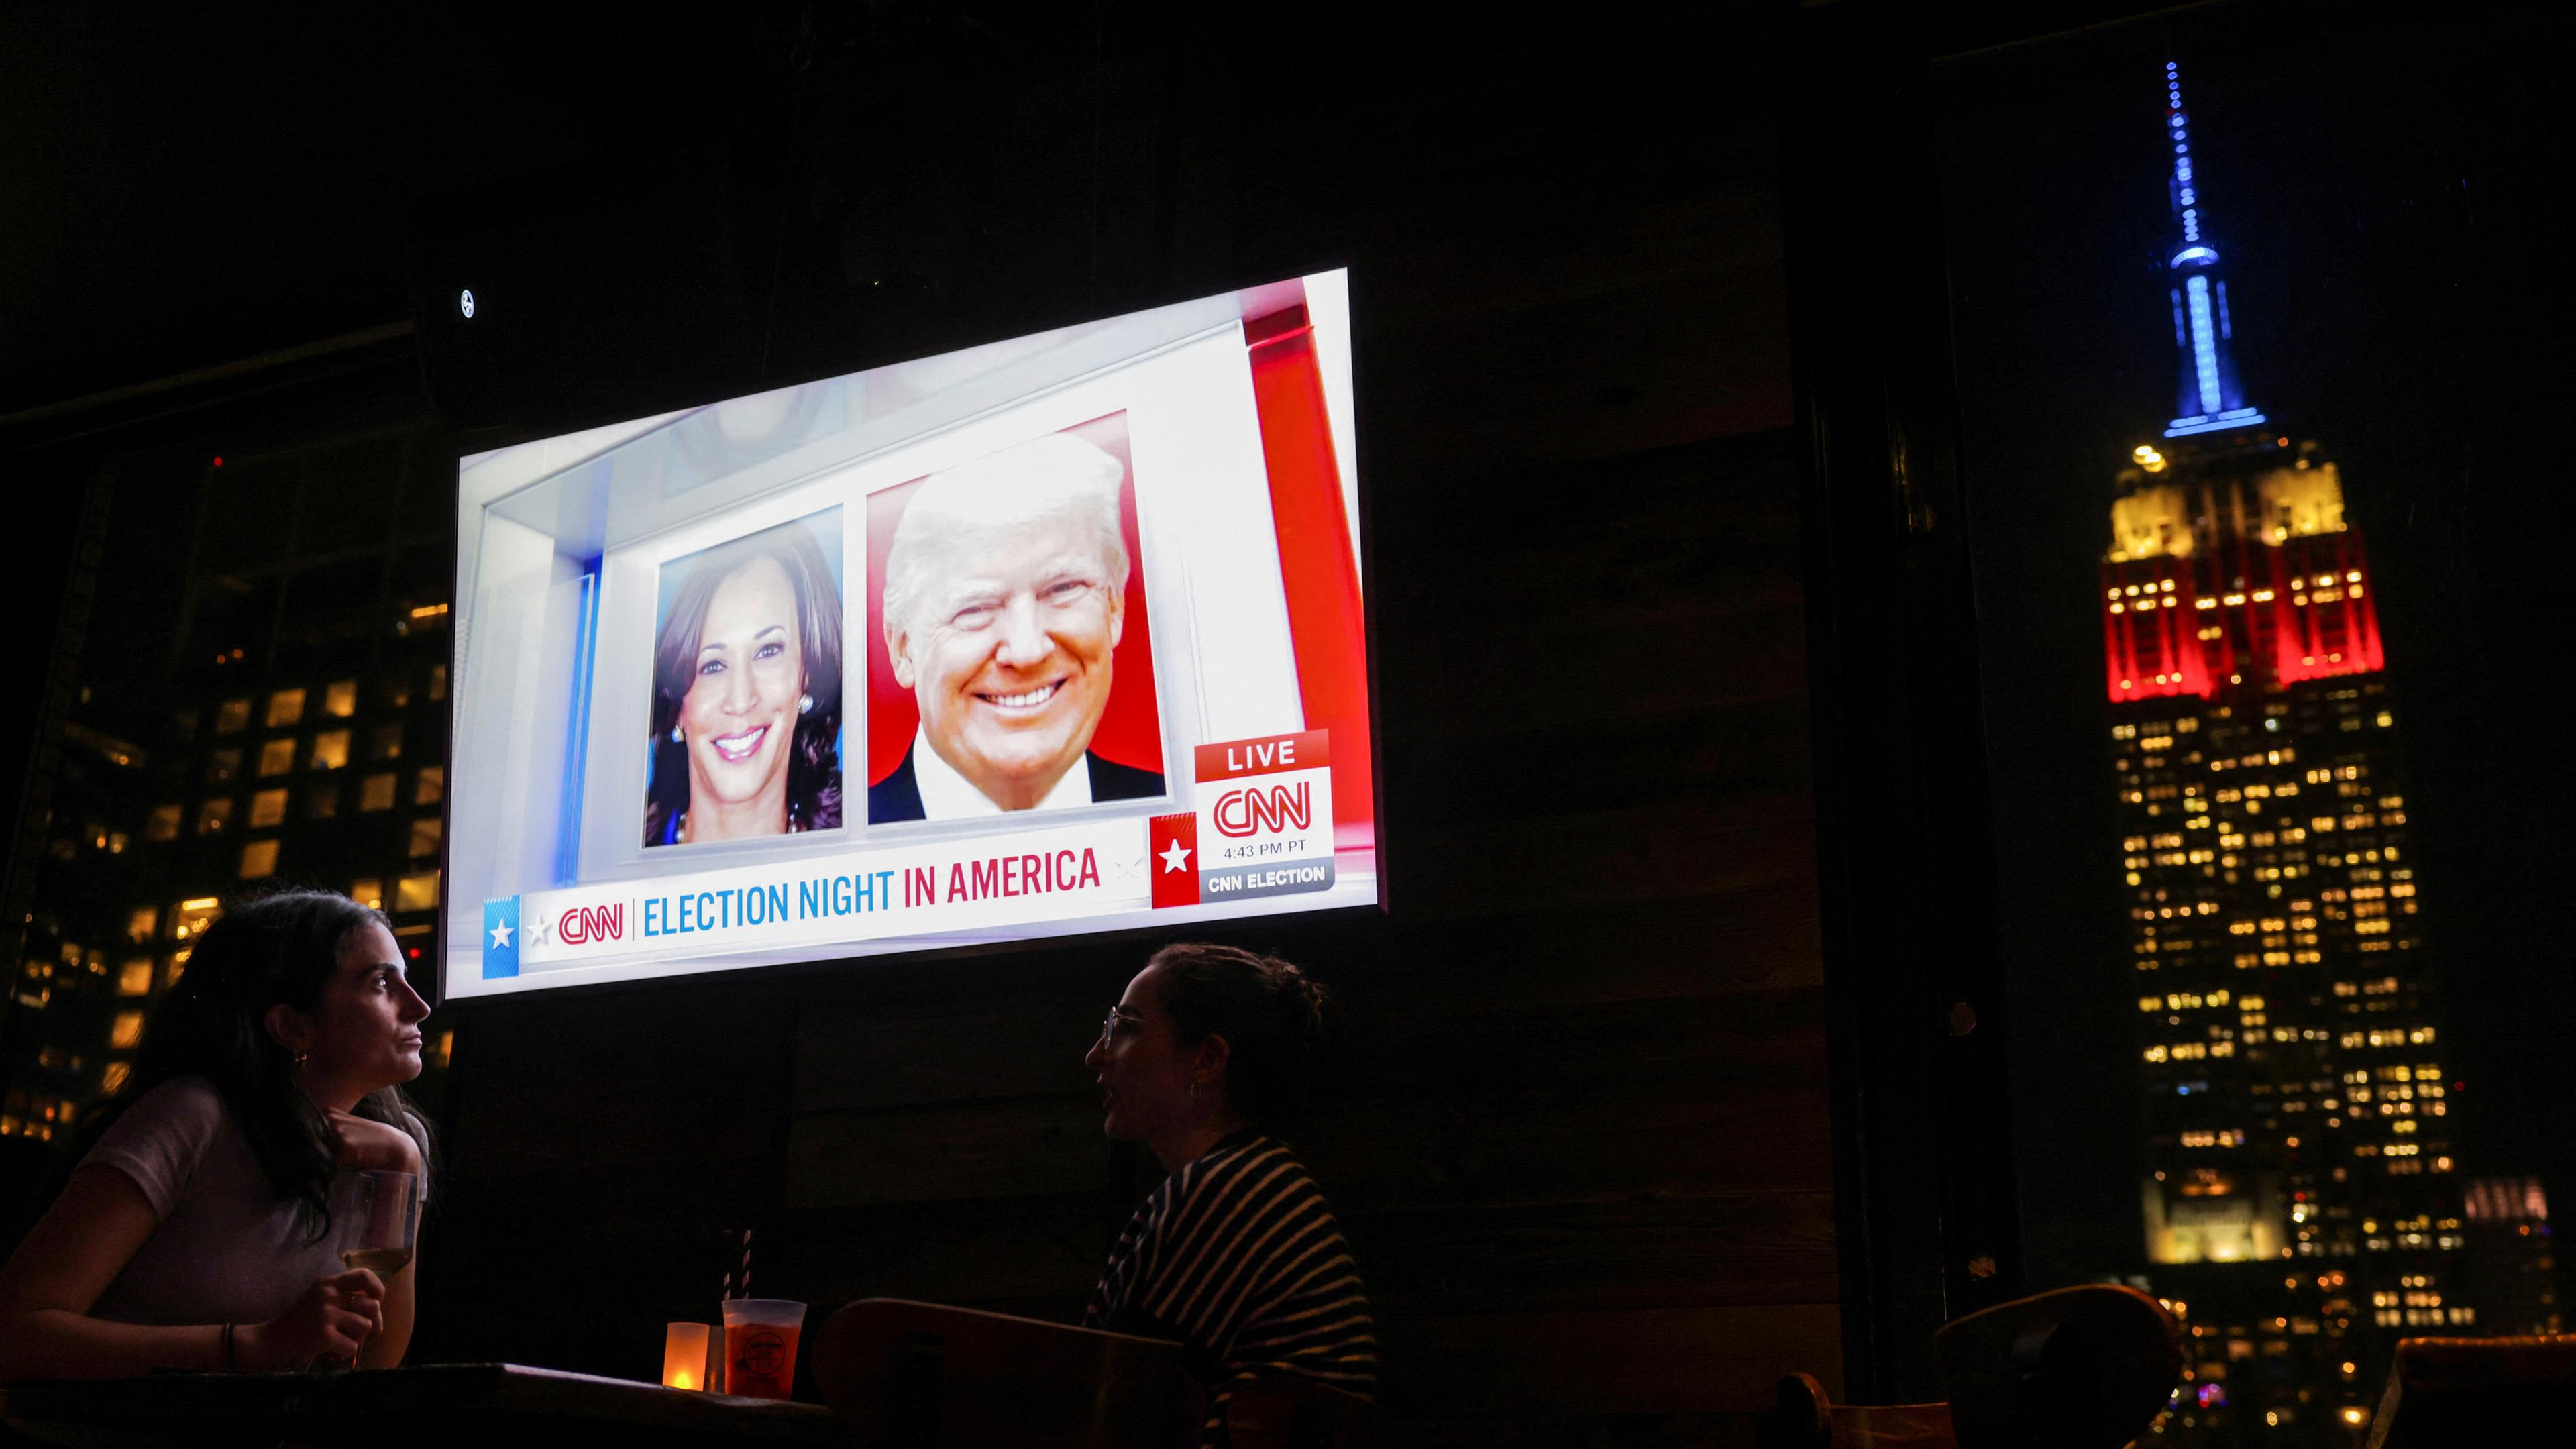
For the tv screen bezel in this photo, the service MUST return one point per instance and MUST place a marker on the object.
(468, 443)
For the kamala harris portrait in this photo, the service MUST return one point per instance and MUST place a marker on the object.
(746, 711)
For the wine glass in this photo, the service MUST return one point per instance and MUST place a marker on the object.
(388, 1215)
(388, 1209)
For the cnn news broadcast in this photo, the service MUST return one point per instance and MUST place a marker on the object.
(1061, 634)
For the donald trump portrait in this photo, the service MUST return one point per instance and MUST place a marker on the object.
(1005, 600)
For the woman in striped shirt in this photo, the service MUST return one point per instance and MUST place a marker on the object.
(1235, 1253)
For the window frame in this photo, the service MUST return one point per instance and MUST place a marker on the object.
(1926, 1202)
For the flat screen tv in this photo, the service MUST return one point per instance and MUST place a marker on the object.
(1056, 635)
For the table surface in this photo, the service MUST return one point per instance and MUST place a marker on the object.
(477, 1406)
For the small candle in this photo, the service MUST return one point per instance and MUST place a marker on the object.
(684, 1356)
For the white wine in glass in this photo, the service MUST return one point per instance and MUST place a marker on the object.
(388, 1215)
(383, 1262)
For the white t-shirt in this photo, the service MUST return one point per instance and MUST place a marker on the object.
(228, 1249)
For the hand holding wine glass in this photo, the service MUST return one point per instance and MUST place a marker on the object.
(388, 1209)
(330, 1324)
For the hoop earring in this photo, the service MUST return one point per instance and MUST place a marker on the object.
(804, 704)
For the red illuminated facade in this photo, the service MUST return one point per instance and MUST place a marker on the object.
(2271, 588)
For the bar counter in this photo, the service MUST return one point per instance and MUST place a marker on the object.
(449, 1406)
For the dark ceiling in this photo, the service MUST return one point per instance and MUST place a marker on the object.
(191, 185)
(186, 186)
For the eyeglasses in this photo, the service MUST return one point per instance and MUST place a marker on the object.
(1109, 1023)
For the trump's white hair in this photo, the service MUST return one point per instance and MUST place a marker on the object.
(1055, 476)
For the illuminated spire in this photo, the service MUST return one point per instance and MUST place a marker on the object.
(2210, 399)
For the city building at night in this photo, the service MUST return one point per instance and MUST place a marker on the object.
(265, 709)
(2303, 1204)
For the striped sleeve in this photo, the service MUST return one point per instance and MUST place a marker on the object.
(1238, 1256)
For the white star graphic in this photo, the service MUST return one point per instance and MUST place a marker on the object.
(500, 935)
(1175, 858)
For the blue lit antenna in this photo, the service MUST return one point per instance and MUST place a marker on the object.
(2210, 399)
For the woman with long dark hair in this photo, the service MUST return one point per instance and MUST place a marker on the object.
(199, 1231)
(1235, 1253)
(746, 716)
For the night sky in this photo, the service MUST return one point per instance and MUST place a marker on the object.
(2387, 193)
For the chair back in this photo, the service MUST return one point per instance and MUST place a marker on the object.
(920, 1375)
(2080, 1368)
(1291, 1411)
(2476, 1391)
(1806, 1417)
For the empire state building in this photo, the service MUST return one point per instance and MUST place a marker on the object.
(2302, 1205)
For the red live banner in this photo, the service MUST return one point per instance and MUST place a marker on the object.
(1271, 754)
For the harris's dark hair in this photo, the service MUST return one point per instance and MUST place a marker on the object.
(814, 756)
(212, 1024)
(1268, 1011)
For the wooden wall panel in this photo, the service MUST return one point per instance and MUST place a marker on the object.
(1763, 1247)
(623, 1083)
(1757, 940)
(936, 1154)
(926, 1041)
(977, 1252)
(1617, 1362)
(1568, 1147)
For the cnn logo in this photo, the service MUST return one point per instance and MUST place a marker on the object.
(1256, 810)
(584, 924)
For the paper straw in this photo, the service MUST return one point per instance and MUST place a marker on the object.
(746, 1263)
